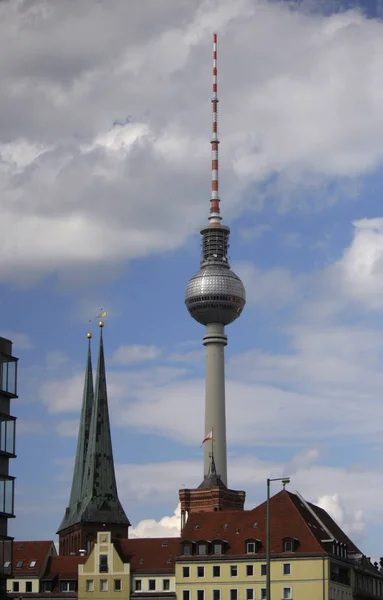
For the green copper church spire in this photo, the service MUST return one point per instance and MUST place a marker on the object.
(100, 498)
(94, 503)
(82, 445)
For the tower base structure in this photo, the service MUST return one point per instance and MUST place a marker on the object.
(211, 496)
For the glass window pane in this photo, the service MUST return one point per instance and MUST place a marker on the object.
(12, 377)
(9, 496)
(10, 439)
(2, 489)
(3, 435)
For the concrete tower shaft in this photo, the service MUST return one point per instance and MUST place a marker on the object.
(215, 341)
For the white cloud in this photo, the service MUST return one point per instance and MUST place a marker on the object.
(68, 428)
(360, 270)
(68, 173)
(127, 355)
(164, 527)
(273, 288)
(55, 359)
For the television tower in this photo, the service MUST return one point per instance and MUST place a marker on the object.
(215, 297)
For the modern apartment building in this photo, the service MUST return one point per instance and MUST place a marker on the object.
(8, 391)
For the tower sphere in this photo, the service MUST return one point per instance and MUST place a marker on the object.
(215, 295)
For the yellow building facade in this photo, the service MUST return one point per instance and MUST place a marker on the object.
(104, 575)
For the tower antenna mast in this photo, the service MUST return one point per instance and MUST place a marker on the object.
(214, 202)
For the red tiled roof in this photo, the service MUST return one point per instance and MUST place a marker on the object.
(30, 551)
(289, 517)
(64, 567)
(149, 554)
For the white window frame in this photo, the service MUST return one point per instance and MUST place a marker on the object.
(106, 589)
(155, 585)
(283, 569)
(252, 570)
(202, 545)
(216, 590)
(114, 584)
(263, 566)
(291, 543)
(234, 590)
(203, 594)
(203, 571)
(89, 585)
(263, 594)
(217, 545)
(166, 589)
(183, 572)
(233, 567)
(186, 591)
(290, 592)
(253, 594)
(135, 585)
(219, 571)
(253, 545)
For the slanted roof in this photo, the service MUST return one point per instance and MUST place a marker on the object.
(65, 568)
(289, 518)
(27, 553)
(156, 555)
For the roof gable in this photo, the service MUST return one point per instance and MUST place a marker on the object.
(31, 556)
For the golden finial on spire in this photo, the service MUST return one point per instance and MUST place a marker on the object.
(101, 324)
(89, 335)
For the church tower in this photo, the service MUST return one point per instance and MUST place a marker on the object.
(93, 502)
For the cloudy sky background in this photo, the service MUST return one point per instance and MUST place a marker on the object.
(104, 179)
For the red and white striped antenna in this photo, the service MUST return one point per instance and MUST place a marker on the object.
(214, 217)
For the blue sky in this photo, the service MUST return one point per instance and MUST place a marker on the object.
(104, 175)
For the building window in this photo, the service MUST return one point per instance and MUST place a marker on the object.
(233, 594)
(15, 586)
(286, 569)
(233, 570)
(200, 594)
(103, 563)
(117, 585)
(166, 585)
(28, 586)
(32, 564)
(288, 546)
(216, 594)
(103, 585)
(287, 595)
(185, 594)
(137, 585)
(19, 564)
(8, 374)
(187, 549)
(89, 585)
(249, 570)
(217, 548)
(263, 570)
(201, 548)
(46, 586)
(185, 571)
(6, 494)
(67, 586)
(250, 548)
(200, 571)
(216, 571)
(7, 564)
(263, 593)
(250, 594)
(152, 585)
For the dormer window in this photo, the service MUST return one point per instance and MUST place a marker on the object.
(187, 549)
(202, 548)
(290, 544)
(19, 564)
(32, 564)
(217, 548)
(252, 545)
